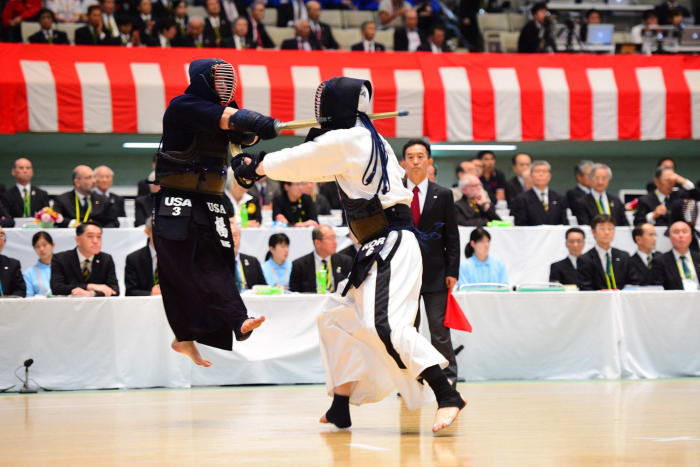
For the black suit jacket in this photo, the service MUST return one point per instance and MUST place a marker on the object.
(6, 219)
(401, 39)
(11, 277)
(138, 274)
(527, 209)
(252, 271)
(327, 40)
(117, 203)
(664, 270)
(210, 34)
(649, 202)
(143, 209)
(229, 43)
(14, 203)
(378, 47)
(592, 277)
(59, 37)
(643, 271)
(425, 47)
(293, 211)
(66, 275)
(573, 199)
(587, 210)
(303, 275)
(83, 36)
(142, 188)
(101, 212)
(267, 42)
(563, 272)
(513, 189)
(529, 41)
(291, 44)
(285, 14)
(465, 215)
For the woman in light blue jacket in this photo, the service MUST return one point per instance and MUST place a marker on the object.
(480, 267)
(38, 277)
(277, 267)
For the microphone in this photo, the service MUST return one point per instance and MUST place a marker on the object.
(26, 389)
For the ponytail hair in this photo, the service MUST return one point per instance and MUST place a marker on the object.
(276, 239)
(476, 235)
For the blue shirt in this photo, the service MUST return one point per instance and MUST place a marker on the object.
(473, 271)
(32, 281)
(274, 273)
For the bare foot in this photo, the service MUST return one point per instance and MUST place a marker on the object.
(251, 323)
(323, 419)
(445, 416)
(188, 348)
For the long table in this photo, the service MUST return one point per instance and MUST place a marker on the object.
(123, 342)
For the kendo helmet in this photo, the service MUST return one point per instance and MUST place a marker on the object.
(340, 100)
(219, 77)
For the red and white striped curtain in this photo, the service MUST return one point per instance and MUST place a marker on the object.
(451, 97)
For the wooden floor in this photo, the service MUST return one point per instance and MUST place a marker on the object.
(522, 423)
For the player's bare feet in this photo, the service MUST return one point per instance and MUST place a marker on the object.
(445, 416)
(188, 348)
(323, 419)
(251, 323)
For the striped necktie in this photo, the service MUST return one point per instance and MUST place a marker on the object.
(85, 272)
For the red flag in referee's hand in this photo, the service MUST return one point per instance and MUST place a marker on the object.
(454, 316)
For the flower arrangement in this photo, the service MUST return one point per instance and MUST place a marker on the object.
(46, 217)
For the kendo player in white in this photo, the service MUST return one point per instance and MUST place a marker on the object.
(369, 343)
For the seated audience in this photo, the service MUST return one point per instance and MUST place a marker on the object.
(687, 210)
(108, 19)
(265, 190)
(436, 41)
(368, 30)
(539, 205)
(323, 206)
(164, 36)
(603, 267)
(564, 271)
(304, 269)
(6, 219)
(11, 280)
(536, 35)
(600, 201)
(475, 207)
(94, 32)
(288, 13)
(128, 37)
(66, 11)
(293, 207)
(646, 29)
(408, 38)
(655, 207)
(277, 268)
(644, 235)
(47, 34)
(663, 11)
(237, 198)
(38, 277)
(663, 163)
(144, 22)
(194, 36)
(239, 39)
(303, 40)
(248, 270)
(25, 199)
(216, 26)
(582, 172)
(521, 182)
(257, 34)
(141, 272)
(143, 205)
(81, 204)
(84, 271)
(491, 177)
(320, 30)
(480, 267)
(181, 18)
(104, 178)
(592, 17)
(679, 268)
(391, 13)
(13, 13)
(143, 187)
(478, 165)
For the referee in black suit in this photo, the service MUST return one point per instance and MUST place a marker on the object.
(644, 235)
(433, 206)
(565, 271)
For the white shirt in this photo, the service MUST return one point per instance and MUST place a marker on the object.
(603, 198)
(413, 40)
(27, 187)
(299, 11)
(644, 257)
(574, 261)
(237, 204)
(154, 257)
(239, 42)
(164, 42)
(103, 193)
(602, 255)
(319, 265)
(368, 46)
(688, 284)
(342, 155)
(585, 189)
(230, 10)
(434, 48)
(214, 21)
(81, 198)
(662, 200)
(422, 191)
(110, 24)
(303, 44)
(81, 260)
(542, 195)
(145, 18)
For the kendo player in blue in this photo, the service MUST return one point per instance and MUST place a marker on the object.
(191, 231)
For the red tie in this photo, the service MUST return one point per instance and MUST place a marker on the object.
(415, 206)
(260, 42)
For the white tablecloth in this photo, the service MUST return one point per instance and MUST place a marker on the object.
(124, 342)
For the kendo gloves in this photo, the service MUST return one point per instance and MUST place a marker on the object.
(245, 173)
(250, 121)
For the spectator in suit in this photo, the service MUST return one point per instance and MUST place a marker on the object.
(81, 204)
(166, 33)
(47, 34)
(469, 24)
(432, 205)
(679, 268)
(11, 280)
(239, 39)
(216, 26)
(644, 235)
(248, 270)
(663, 163)
(491, 176)
(481, 267)
(144, 22)
(293, 207)
(539, 205)
(236, 199)
(323, 206)
(436, 41)
(655, 207)
(84, 271)
(14, 12)
(392, 13)
(475, 207)
(536, 35)
(128, 37)
(521, 182)
(265, 190)
(6, 219)
(600, 201)
(181, 18)
(592, 17)
(108, 20)
(93, 33)
(194, 36)
(408, 38)
(304, 269)
(104, 179)
(564, 271)
(277, 268)
(25, 199)
(143, 205)
(141, 272)
(234, 9)
(468, 168)
(603, 267)
(257, 34)
(479, 172)
(291, 11)
(687, 210)
(38, 277)
(663, 11)
(320, 30)
(368, 44)
(582, 172)
(303, 40)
